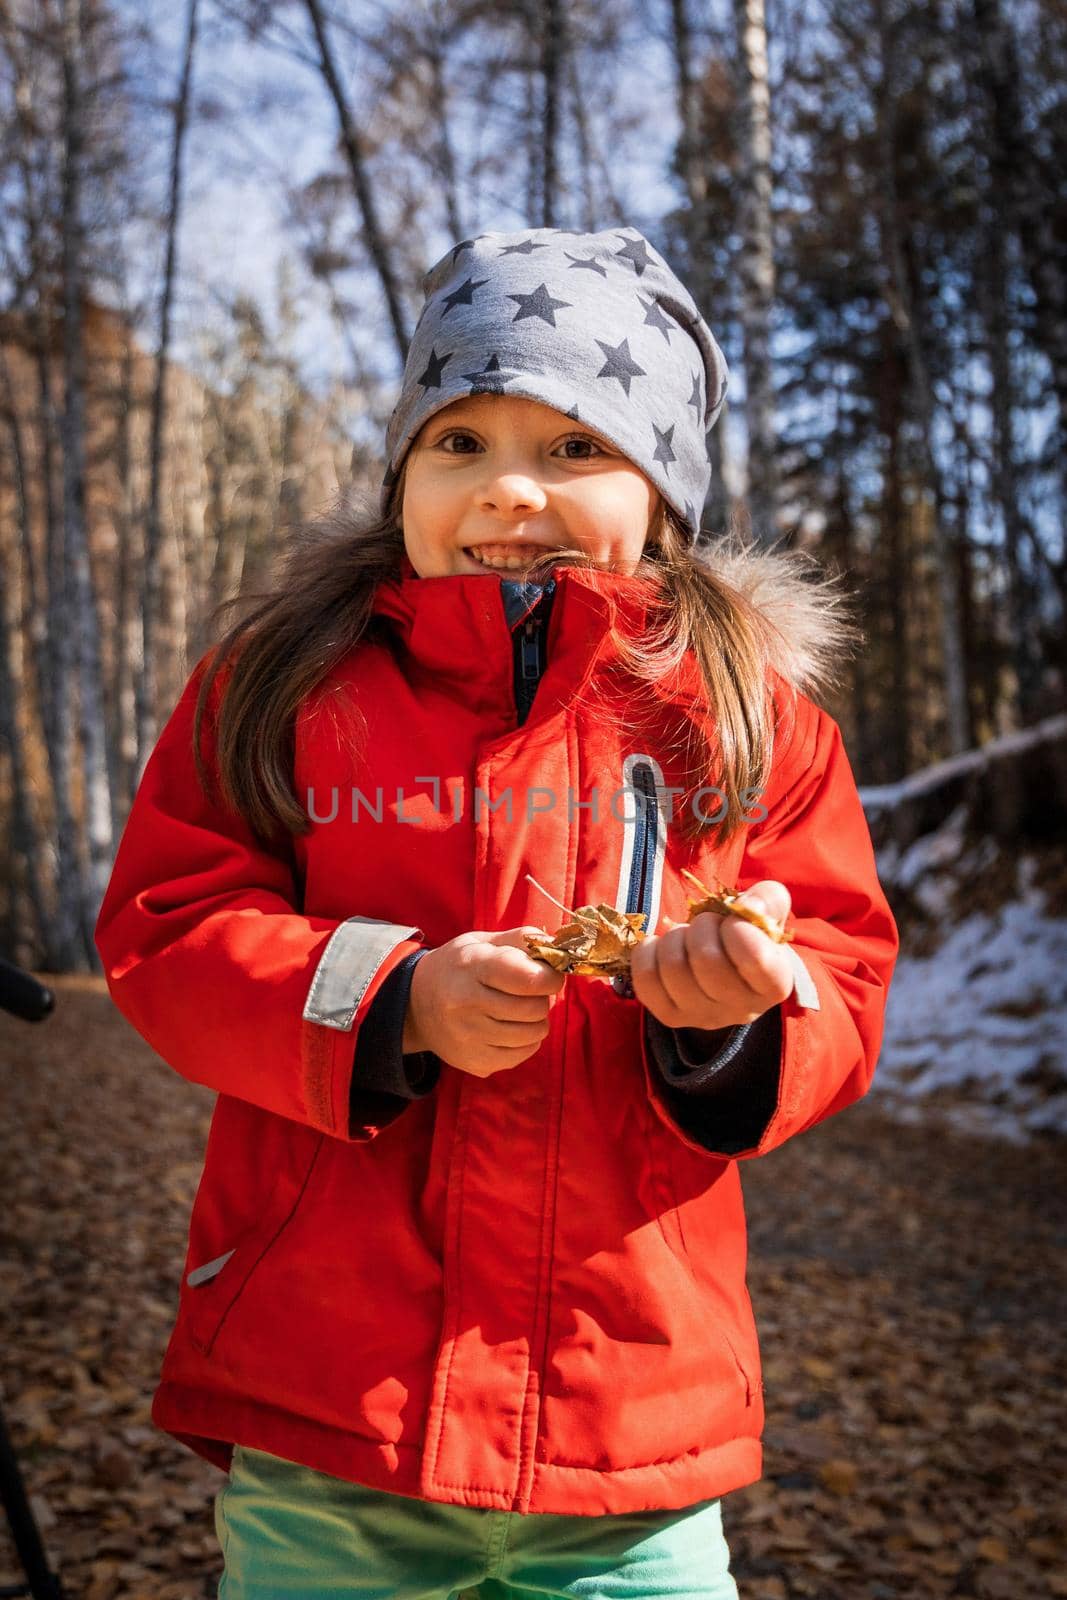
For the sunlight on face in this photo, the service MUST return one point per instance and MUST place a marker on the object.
(509, 478)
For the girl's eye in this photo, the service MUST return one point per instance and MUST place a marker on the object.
(576, 438)
(582, 438)
(456, 434)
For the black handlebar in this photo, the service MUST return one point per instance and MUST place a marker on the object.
(23, 995)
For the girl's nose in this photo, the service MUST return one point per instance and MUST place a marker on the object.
(509, 492)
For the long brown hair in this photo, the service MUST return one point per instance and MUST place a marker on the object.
(739, 607)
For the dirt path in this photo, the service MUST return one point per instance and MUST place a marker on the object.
(908, 1283)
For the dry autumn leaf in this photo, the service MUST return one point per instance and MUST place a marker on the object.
(727, 903)
(839, 1476)
(596, 942)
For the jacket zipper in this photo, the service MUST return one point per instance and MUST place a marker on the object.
(646, 828)
(528, 659)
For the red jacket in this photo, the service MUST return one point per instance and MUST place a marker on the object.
(525, 1292)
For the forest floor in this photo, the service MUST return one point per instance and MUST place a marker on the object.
(907, 1281)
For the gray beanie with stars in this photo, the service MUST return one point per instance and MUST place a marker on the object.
(595, 325)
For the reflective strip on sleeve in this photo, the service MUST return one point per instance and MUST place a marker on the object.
(356, 950)
(803, 984)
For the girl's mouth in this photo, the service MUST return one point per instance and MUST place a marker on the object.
(506, 557)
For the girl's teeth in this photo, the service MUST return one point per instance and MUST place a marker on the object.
(502, 556)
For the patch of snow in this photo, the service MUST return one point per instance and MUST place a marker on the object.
(908, 868)
(986, 1013)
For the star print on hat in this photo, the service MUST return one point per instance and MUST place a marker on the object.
(595, 325)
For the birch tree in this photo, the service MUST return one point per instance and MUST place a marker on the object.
(80, 652)
(374, 238)
(898, 289)
(25, 839)
(30, 238)
(756, 261)
(705, 100)
(151, 587)
(553, 54)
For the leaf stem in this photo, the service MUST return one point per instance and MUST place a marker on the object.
(551, 897)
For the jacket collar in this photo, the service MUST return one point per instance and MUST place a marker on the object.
(457, 627)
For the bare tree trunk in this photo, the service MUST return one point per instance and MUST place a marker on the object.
(993, 290)
(291, 506)
(757, 263)
(50, 629)
(1000, 220)
(31, 620)
(53, 650)
(128, 651)
(860, 731)
(579, 113)
(689, 155)
(981, 665)
(195, 544)
(899, 294)
(215, 524)
(435, 55)
(552, 16)
(173, 622)
(20, 843)
(1032, 211)
(691, 162)
(25, 842)
(228, 526)
(147, 698)
(894, 528)
(97, 800)
(372, 232)
(534, 145)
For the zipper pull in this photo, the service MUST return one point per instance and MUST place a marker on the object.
(531, 648)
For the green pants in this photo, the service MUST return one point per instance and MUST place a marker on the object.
(290, 1533)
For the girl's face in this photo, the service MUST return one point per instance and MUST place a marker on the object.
(496, 478)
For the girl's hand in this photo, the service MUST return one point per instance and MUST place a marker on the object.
(480, 1002)
(715, 972)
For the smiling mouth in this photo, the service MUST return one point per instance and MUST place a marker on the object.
(507, 557)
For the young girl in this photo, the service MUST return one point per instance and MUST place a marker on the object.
(464, 1304)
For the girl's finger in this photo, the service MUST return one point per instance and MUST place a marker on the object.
(770, 897)
(760, 964)
(688, 990)
(512, 1035)
(714, 974)
(644, 974)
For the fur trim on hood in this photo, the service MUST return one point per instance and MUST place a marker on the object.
(808, 613)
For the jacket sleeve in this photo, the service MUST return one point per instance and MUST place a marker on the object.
(725, 1090)
(815, 1053)
(380, 1062)
(207, 953)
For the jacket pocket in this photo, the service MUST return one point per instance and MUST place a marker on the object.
(668, 1215)
(213, 1287)
(746, 1378)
